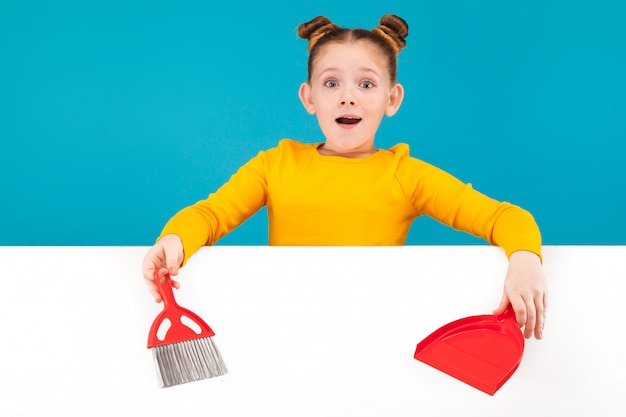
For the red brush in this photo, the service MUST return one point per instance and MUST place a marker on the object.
(186, 353)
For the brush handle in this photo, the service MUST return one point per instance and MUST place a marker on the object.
(165, 289)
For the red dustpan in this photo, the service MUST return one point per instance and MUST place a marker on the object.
(482, 351)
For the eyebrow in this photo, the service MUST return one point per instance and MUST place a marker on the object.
(362, 69)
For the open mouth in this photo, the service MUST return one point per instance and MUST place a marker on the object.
(348, 120)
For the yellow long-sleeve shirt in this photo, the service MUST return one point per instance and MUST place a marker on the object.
(335, 201)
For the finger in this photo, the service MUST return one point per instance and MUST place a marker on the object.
(153, 260)
(154, 291)
(156, 295)
(162, 273)
(541, 318)
(149, 266)
(531, 319)
(519, 307)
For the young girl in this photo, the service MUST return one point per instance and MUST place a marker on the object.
(345, 191)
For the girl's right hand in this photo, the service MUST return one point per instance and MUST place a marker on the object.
(165, 256)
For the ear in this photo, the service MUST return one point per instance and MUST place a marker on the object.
(395, 99)
(305, 97)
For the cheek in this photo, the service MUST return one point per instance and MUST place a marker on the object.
(324, 98)
(375, 104)
(324, 105)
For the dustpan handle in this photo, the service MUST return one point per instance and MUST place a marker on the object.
(508, 315)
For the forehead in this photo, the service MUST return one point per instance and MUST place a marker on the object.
(350, 54)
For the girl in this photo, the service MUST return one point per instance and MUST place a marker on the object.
(345, 191)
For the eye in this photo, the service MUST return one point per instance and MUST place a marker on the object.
(366, 84)
(331, 83)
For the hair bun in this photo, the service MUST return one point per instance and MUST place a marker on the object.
(394, 30)
(314, 29)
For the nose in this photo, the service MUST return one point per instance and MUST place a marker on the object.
(347, 97)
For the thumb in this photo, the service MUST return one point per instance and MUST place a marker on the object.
(173, 259)
(173, 264)
(504, 303)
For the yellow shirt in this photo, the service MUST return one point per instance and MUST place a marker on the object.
(316, 200)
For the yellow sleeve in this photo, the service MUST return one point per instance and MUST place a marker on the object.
(204, 222)
(446, 199)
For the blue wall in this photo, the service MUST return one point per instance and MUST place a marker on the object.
(113, 115)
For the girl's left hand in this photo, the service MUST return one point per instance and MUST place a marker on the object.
(526, 290)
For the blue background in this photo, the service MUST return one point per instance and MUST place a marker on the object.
(114, 115)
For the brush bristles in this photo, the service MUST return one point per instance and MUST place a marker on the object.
(187, 361)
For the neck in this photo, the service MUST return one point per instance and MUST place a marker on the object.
(326, 151)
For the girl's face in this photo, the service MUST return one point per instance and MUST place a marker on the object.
(350, 91)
